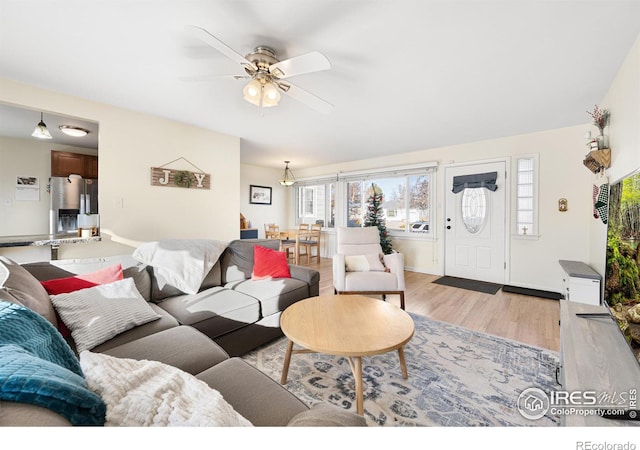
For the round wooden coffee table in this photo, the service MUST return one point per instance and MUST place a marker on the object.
(346, 325)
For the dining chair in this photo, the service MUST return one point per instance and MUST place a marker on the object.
(309, 242)
(271, 231)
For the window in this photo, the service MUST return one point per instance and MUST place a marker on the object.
(526, 196)
(405, 205)
(343, 200)
(316, 203)
(307, 201)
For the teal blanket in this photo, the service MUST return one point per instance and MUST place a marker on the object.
(38, 367)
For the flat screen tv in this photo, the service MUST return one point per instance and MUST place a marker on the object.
(622, 277)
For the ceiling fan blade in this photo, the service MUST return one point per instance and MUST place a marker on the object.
(223, 48)
(306, 97)
(298, 65)
(198, 78)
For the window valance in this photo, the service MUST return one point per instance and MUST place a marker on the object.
(476, 180)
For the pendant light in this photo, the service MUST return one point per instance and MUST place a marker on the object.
(41, 131)
(287, 179)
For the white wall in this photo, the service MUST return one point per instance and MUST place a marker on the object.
(26, 157)
(259, 215)
(623, 101)
(532, 262)
(130, 144)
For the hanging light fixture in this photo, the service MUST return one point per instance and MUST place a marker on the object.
(261, 92)
(70, 130)
(41, 131)
(287, 179)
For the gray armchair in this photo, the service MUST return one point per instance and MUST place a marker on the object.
(368, 279)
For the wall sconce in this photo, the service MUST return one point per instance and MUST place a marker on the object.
(563, 205)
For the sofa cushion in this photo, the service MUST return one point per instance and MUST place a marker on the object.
(26, 289)
(155, 394)
(157, 293)
(364, 263)
(141, 278)
(237, 259)
(215, 311)
(182, 263)
(44, 270)
(371, 281)
(269, 263)
(274, 294)
(183, 347)
(213, 278)
(95, 315)
(6, 296)
(258, 398)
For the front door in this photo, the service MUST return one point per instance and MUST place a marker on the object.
(475, 222)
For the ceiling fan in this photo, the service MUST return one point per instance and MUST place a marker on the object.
(269, 76)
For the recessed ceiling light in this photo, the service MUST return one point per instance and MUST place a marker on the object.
(73, 131)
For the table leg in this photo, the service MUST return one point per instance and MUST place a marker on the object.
(403, 364)
(287, 360)
(357, 375)
(297, 250)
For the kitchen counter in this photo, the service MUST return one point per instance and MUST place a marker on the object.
(39, 240)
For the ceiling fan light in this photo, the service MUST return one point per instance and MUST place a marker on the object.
(252, 92)
(270, 95)
(41, 131)
(73, 131)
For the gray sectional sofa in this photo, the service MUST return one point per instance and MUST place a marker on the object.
(199, 333)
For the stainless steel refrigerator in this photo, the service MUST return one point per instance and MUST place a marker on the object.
(69, 197)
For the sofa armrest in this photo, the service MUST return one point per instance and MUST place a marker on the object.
(327, 415)
(339, 272)
(309, 276)
(395, 263)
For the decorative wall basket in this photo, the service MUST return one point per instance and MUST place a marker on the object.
(598, 160)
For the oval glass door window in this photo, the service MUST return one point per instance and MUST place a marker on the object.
(474, 209)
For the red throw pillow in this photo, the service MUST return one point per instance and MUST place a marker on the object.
(269, 263)
(82, 281)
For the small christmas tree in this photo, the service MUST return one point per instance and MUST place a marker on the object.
(375, 217)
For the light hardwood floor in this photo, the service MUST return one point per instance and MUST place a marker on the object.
(531, 320)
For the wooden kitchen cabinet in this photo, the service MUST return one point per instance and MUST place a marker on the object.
(64, 164)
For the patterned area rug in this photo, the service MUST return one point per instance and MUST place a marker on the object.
(457, 377)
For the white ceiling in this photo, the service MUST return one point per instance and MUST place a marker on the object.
(406, 75)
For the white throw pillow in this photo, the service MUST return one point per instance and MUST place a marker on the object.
(181, 263)
(97, 314)
(155, 394)
(364, 263)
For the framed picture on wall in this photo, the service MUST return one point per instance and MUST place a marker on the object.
(259, 195)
